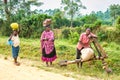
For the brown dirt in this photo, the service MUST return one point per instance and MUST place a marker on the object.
(8, 71)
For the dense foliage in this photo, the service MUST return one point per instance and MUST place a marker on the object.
(31, 21)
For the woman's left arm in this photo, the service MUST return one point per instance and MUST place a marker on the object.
(51, 36)
(19, 30)
(93, 35)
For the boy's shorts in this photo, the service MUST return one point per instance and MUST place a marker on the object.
(15, 51)
(78, 53)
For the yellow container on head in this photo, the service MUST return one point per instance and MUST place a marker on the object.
(14, 26)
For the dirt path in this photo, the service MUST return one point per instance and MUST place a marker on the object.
(8, 71)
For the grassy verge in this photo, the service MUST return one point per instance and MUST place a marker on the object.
(30, 49)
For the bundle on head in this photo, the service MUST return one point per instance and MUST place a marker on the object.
(14, 26)
(47, 22)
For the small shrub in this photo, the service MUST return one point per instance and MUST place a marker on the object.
(118, 23)
(78, 30)
(98, 23)
(91, 26)
(65, 33)
(74, 37)
(62, 47)
(105, 44)
(118, 26)
(102, 36)
(86, 26)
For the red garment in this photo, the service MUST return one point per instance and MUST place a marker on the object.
(84, 40)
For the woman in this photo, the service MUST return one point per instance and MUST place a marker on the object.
(47, 44)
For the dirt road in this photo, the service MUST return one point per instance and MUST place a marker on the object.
(8, 71)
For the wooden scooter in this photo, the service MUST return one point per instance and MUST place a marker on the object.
(101, 56)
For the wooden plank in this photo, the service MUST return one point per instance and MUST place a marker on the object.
(100, 48)
(99, 53)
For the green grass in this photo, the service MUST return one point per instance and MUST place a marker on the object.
(30, 49)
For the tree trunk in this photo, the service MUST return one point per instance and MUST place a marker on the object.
(7, 12)
(114, 17)
(71, 21)
(72, 14)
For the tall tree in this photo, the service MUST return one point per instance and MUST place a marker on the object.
(7, 12)
(14, 11)
(52, 12)
(107, 14)
(71, 7)
(100, 15)
(88, 19)
(114, 11)
(14, 6)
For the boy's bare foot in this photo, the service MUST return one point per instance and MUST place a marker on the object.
(17, 63)
(5, 58)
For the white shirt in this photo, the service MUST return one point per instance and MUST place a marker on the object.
(16, 41)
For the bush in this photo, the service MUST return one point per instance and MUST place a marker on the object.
(78, 29)
(118, 26)
(108, 34)
(72, 34)
(102, 36)
(86, 26)
(91, 26)
(66, 33)
(62, 47)
(74, 37)
(104, 44)
(32, 26)
(98, 23)
(118, 23)
(107, 22)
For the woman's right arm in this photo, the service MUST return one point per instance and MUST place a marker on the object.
(42, 37)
